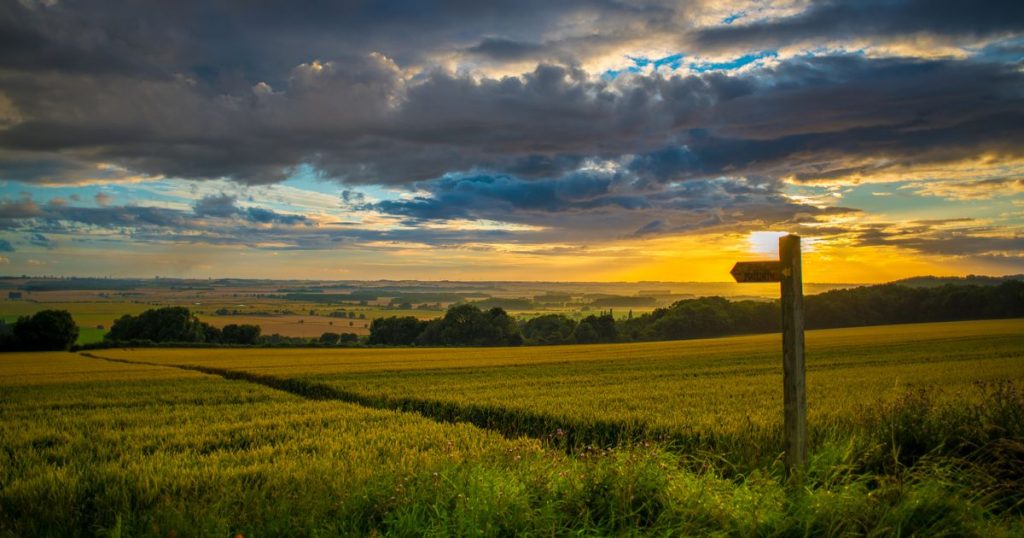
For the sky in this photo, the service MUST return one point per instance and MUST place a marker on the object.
(578, 140)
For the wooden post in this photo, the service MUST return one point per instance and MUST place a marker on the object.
(787, 271)
(794, 393)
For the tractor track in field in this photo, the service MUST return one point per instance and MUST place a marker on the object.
(512, 424)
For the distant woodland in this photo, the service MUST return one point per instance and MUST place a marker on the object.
(710, 316)
(482, 324)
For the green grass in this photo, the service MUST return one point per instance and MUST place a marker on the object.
(94, 447)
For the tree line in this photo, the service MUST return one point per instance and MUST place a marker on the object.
(469, 325)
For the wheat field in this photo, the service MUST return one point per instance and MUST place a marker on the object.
(915, 429)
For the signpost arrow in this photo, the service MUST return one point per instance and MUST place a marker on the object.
(787, 271)
(764, 271)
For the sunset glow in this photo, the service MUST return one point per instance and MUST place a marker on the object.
(559, 142)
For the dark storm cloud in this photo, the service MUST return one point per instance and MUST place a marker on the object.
(5, 246)
(228, 43)
(505, 49)
(360, 122)
(864, 19)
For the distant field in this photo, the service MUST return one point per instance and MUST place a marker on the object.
(914, 429)
(288, 319)
(86, 314)
(260, 303)
(305, 326)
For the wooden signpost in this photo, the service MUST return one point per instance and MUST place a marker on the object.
(787, 271)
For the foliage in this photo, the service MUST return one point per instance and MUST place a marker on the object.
(868, 305)
(596, 329)
(467, 325)
(240, 334)
(549, 329)
(168, 324)
(396, 331)
(46, 330)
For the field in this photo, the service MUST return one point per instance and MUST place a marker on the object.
(94, 317)
(265, 303)
(915, 429)
(291, 325)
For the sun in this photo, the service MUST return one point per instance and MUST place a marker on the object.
(764, 242)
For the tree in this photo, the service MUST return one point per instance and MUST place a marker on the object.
(584, 334)
(46, 330)
(396, 331)
(240, 334)
(467, 325)
(168, 324)
(549, 329)
(596, 329)
(329, 339)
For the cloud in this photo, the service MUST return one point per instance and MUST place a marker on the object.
(969, 190)
(40, 240)
(653, 227)
(839, 20)
(361, 120)
(961, 237)
(5, 246)
(486, 196)
(525, 122)
(505, 49)
(223, 207)
(603, 203)
(953, 242)
(19, 209)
